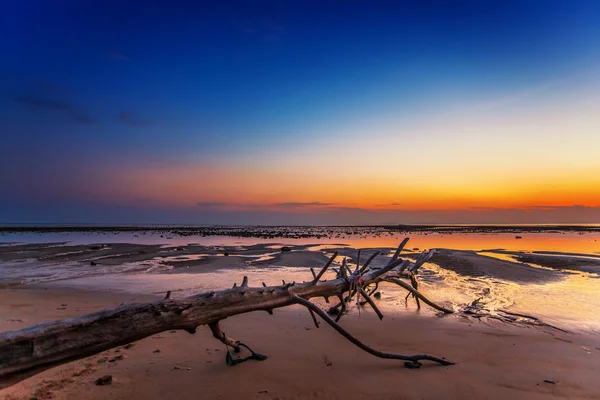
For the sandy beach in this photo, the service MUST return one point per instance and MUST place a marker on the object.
(496, 357)
(494, 360)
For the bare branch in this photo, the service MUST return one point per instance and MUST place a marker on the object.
(414, 358)
(314, 282)
(371, 302)
(399, 249)
(406, 286)
(312, 314)
(364, 267)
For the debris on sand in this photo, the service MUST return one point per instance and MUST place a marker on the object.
(104, 380)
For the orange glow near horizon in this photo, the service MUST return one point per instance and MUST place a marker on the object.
(240, 188)
(501, 158)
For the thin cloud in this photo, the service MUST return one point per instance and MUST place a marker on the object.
(70, 110)
(303, 204)
(128, 119)
(546, 208)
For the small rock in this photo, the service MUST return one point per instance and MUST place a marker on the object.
(105, 380)
(285, 248)
(225, 254)
(263, 391)
(412, 364)
(518, 237)
(117, 358)
(128, 346)
(377, 295)
(93, 264)
(549, 381)
(156, 351)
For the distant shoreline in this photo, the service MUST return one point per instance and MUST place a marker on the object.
(300, 232)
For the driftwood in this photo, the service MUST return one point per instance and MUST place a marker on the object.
(29, 351)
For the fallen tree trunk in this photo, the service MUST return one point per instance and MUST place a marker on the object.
(31, 350)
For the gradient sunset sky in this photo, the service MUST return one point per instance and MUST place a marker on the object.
(300, 112)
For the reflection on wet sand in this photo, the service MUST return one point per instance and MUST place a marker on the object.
(550, 275)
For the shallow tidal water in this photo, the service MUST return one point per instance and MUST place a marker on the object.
(571, 302)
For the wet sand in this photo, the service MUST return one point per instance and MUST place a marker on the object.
(493, 279)
(469, 263)
(196, 258)
(494, 360)
(557, 260)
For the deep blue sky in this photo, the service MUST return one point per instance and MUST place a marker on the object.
(92, 86)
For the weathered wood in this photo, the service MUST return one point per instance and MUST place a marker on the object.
(31, 350)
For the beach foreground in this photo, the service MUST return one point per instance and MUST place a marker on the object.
(494, 360)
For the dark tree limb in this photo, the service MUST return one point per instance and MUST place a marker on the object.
(342, 309)
(369, 300)
(364, 267)
(415, 285)
(314, 282)
(536, 320)
(374, 289)
(312, 314)
(418, 294)
(361, 345)
(222, 337)
(399, 249)
(333, 310)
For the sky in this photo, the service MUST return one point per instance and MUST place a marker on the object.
(299, 112)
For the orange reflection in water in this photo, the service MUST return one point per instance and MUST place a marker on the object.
(564, 242)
